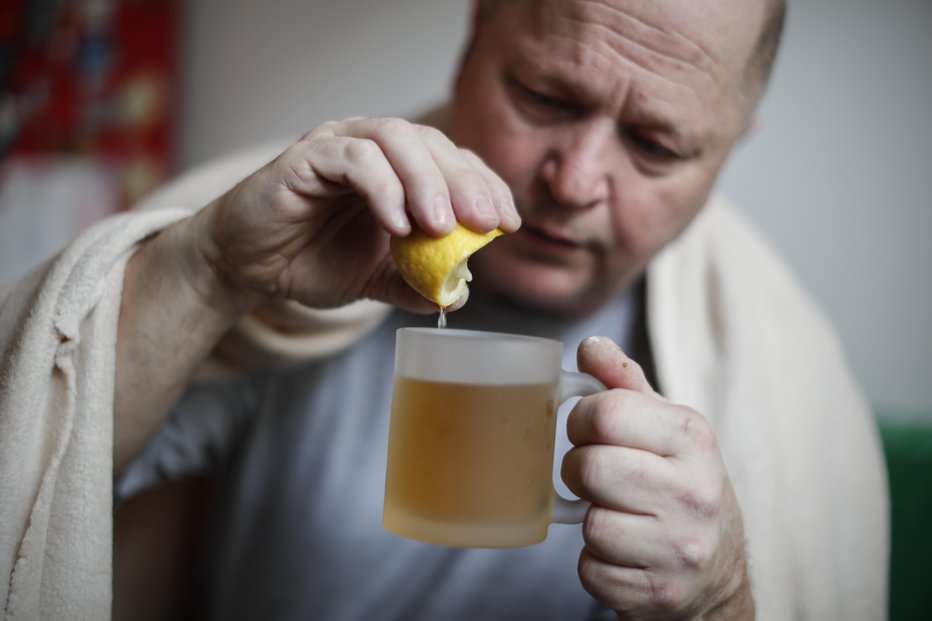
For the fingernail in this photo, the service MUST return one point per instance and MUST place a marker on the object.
(399, 221)
(402, 226)
(442, 212)
(602, 342)
(485, 208)
(510, 215)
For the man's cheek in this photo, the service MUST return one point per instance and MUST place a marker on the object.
(517, 168)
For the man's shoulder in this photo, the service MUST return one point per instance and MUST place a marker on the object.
(721, 296)
(723, 247)
(721, 230)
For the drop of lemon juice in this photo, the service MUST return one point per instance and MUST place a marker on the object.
(442, 319)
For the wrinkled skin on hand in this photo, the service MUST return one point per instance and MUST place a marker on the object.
(313, 225)
(663, 537)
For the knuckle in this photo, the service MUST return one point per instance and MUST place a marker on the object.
(638, 473)
(589, 570)
(474, 160)
(604, 422)
(463, 176)
(319, 147)
(589, 468)
(596, 525)
(691, 555)
(431, 134)
(697, 430)
(703, 503)
(388, 190)
(327, 128)
(598, 577)
(569, 469)
(361, 150)
(665, 593)
(392, 126)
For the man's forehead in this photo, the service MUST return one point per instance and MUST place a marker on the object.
(711, 37)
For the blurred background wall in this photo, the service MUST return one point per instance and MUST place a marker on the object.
(88, 115)
(838, 173)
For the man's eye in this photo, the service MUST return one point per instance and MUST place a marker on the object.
(542, 100)
(651, 148)
(539, 106)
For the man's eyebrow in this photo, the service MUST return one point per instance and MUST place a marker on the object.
(564, 85)
(691, 143)
(651, 120)
(646, 114)
(556, 78)
(655, 120)
(657, 114)
(643, 113)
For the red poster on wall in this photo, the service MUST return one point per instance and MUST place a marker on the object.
(88, 100)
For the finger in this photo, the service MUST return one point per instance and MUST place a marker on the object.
(426, 189)
(503, 205)
(357, 163)
(502, 198)
(645, 542)
(600, 357)
(664, 589)
(621, 588)
(622, 479)
(471, 195)
(635, 420)
(622, 539)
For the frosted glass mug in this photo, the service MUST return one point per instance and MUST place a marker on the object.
(471, 443)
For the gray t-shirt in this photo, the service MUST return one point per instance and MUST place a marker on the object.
(299, 458)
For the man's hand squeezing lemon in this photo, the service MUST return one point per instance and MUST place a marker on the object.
(436, 267)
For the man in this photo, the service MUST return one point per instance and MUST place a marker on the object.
(591, 132)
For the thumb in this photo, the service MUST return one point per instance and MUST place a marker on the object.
(600, 357)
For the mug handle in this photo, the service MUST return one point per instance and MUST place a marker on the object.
(572, 384)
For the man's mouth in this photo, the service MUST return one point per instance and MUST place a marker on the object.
(548, 239)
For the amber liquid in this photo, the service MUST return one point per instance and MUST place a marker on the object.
(470, 465)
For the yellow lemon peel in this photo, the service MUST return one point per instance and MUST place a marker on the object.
(436, 267)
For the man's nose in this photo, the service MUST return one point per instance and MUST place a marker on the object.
(577, 170)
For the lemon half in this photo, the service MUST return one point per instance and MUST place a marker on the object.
(436, 267)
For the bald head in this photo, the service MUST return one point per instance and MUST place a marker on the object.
(760, 62)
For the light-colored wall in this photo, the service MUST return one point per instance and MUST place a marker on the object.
(280, 67)
(840, 178)
(837, 174)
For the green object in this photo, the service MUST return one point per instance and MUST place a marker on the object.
(908, 451)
